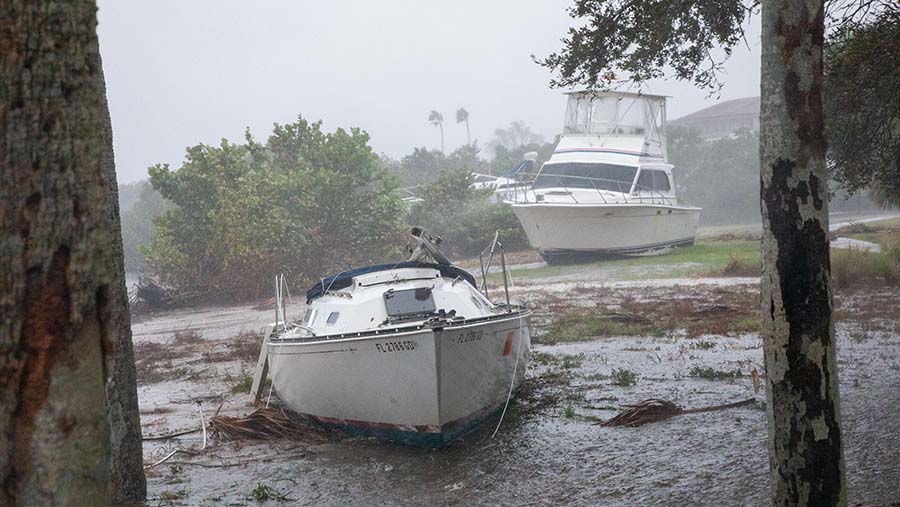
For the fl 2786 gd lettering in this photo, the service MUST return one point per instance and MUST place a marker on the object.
(399, 346)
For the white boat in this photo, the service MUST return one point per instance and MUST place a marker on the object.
(411, 351)
(608, 187)
(505, 187)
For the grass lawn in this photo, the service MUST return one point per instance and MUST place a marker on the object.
(707, 257)
(883, 232)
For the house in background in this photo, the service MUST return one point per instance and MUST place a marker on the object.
(723, 119)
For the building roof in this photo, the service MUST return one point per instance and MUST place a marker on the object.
(748, 106)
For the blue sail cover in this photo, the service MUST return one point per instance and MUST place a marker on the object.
(345, 278)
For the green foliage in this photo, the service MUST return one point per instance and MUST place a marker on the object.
(305, 203)
(640, 39)
(702, 165)
(703, 345)
(623, 377)
(242, 384)
(264, 492)
(464, 217)
(713, 374)
(423, 166)
(570, 361)
(862, 106)
(139, 206)
(506, 158)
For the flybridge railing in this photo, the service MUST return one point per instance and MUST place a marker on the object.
(628, 193)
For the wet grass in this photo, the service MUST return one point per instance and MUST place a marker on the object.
(713, 374)
(563, 361)
(855, 267)
(587, 324)
(705, 256)
(703, 345)
(882, 232)
(264, 492)
(240, 384)
(723, 312)
(623, 377)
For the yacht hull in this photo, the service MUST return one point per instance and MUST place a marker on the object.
(423, 387)
(574, 231)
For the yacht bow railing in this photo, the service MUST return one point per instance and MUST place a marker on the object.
(629, 193)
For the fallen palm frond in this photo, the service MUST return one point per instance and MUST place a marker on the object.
(261, 424)
(655, 410)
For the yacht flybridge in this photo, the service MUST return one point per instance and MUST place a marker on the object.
(608, 188)
(410, 351)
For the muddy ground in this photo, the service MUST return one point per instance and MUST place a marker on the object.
(692, 341)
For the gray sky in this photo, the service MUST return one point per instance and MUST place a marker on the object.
(183, 72)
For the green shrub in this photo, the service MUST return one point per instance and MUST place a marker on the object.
(624, 378)
(464, 217)
(305, 203)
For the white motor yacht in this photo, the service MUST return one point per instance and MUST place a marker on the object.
(608, 188)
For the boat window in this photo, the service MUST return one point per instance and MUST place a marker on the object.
(645, 180)
(333, 317)
(401, 303)
(309, 317)
(615, 178)
(661, 181)
(651, 179)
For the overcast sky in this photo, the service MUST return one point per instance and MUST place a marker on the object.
(183, 72)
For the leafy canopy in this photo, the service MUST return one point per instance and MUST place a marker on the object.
(641, 37)
(862, 105)
(305, 203)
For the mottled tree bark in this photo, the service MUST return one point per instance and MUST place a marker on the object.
(127, 463)
(805, 453)
(66, 365)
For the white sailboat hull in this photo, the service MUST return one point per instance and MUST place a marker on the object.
(561, 229)
(425, 386)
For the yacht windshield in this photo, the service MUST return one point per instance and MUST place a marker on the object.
(615, 178)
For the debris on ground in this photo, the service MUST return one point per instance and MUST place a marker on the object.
(655, 410)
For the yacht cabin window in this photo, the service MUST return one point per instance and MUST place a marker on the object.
(615, 178)
(653, 179)
(661, 181)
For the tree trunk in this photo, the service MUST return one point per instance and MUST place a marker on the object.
(805, 454)
(127, 453)
(63, 311)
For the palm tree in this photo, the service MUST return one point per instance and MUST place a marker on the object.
(463, 116)
(437, 119)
